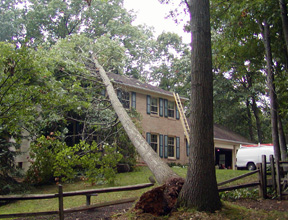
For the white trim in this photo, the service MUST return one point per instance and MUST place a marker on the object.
(231, 141)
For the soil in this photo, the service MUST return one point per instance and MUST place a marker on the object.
(117, 211)
(104, 213)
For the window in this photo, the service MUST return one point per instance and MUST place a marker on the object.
(124, 98)
(154, 142)
(170, 109)
(171, 147)
(154, 106)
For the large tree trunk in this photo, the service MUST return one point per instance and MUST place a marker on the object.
(271, 86)
(158, 167)
(200, 188)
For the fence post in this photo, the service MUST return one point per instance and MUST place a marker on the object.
(278, 180)
(61, 205)
(264, 169)
(272, 165)
(260, 176)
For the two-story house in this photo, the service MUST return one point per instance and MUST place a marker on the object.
(161, 124)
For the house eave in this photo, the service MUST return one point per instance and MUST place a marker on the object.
(170, 94)
(231, 141)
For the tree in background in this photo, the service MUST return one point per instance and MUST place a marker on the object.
(238, 41)
(38, 21)
(172, 64)
(21, 81)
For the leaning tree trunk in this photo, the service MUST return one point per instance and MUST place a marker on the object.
(200, 188)
(271, 86)
(158, 167)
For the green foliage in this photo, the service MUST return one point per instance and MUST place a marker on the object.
(8, 151)
(54, 160)
(240, 194)
(239, 56)
(21, 80)
(39, 21)
(43, 157)
(172, 67)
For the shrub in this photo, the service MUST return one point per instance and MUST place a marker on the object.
(240, 194)
(53, 160)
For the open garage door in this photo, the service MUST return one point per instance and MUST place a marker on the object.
(223, 158)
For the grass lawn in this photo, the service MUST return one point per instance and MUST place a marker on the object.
(123, 179)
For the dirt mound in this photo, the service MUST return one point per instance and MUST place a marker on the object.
(160, 200)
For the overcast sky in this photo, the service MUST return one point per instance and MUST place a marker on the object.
(152, 13)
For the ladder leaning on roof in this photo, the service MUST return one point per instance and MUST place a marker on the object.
(182, 116)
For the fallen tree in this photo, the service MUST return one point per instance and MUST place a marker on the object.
(158, 167)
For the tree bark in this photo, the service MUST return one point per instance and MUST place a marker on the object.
(249, 116)
(200, 188)
(284, 18)
(255, 110)
(158, 167)
(271, 86)
(283, 145)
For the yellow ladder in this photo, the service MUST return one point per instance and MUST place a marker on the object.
(182, 116)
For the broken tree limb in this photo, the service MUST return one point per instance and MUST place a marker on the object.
(158, 167)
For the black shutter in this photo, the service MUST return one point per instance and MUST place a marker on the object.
(165, 107)
(148, 104)
(161, 145)
(177, 113)
(133, 101)
(161, 107)
(177, 147)
(148, 138)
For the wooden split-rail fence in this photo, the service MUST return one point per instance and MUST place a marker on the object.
(60, 195)
(273, 174)
(277, 172)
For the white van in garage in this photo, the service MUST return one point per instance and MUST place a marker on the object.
(249, 155)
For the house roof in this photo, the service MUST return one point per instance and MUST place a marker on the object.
(137, 84)
(223, 134)
(220, 132)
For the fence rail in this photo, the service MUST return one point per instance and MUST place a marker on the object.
(60, 195)
(278, 182)
(278, 178)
